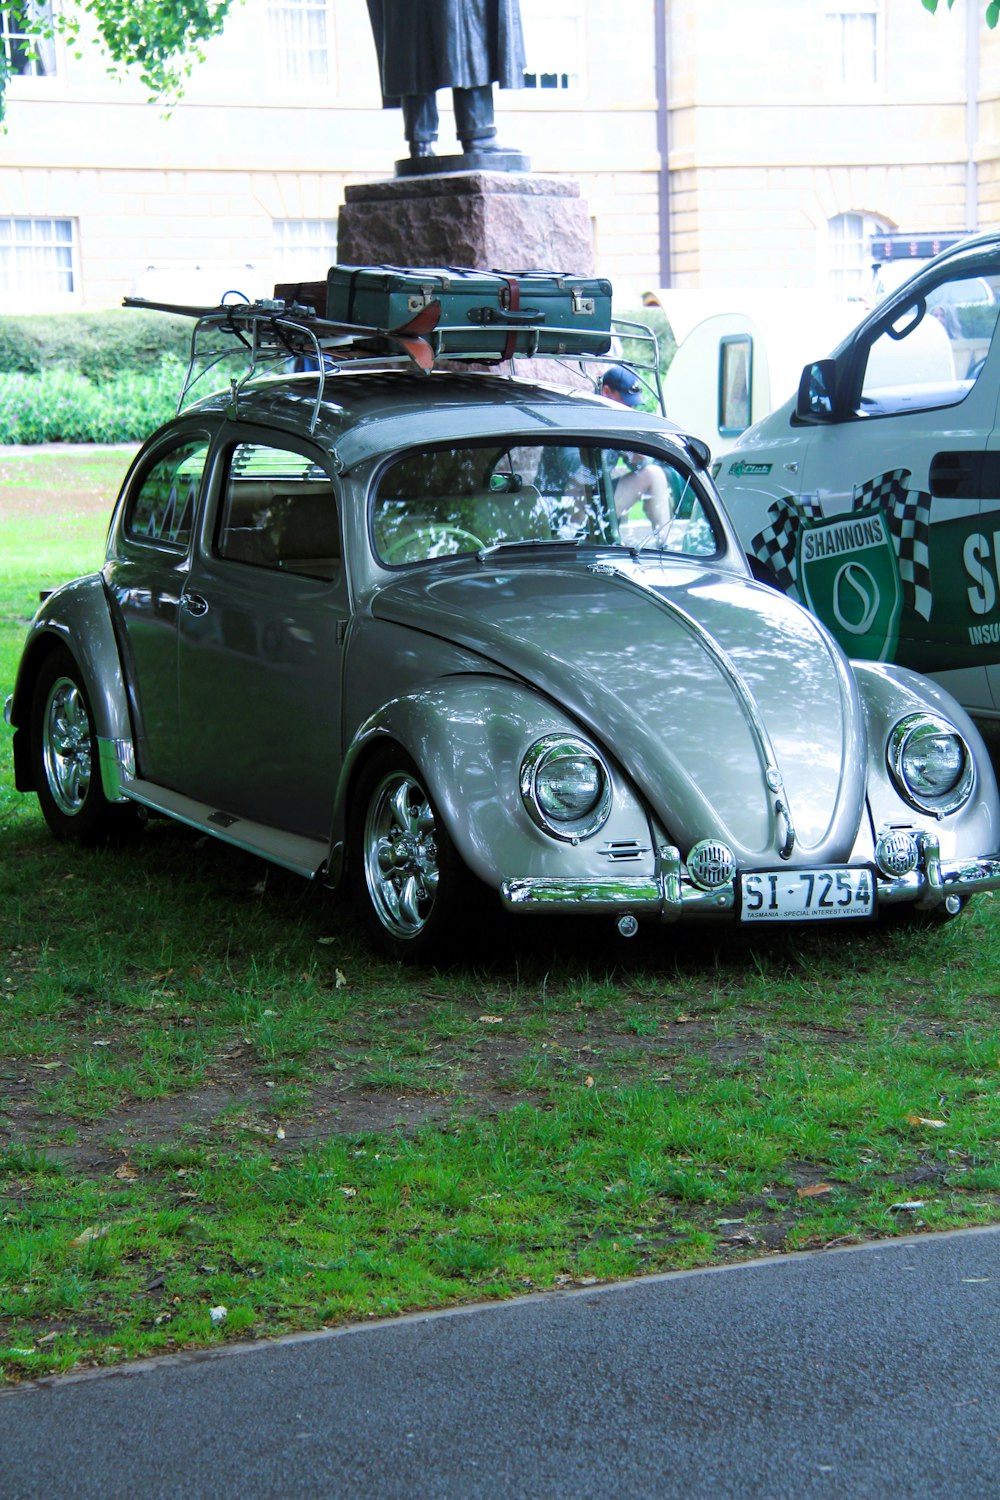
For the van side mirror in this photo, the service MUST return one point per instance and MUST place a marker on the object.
(816, 388)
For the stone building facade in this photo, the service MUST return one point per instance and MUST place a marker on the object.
(717, 142)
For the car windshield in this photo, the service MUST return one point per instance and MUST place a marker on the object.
(440, 502)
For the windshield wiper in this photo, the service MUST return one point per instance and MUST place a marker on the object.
(534, 541)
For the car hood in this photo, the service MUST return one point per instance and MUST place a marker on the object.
(696, 682)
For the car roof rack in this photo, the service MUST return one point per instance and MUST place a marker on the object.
(277, 336)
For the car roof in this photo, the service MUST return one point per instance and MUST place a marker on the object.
(363, 415)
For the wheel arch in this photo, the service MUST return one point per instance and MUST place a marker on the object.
(77, 619)
(468, 736)
(888, 693)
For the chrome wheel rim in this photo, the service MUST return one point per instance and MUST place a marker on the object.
(66, 746)
(400, 855)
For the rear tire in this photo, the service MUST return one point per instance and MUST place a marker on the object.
(66, 759)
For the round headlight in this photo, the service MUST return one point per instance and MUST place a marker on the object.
(931, 764)
(566, 787)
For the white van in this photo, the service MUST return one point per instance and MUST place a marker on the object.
(874, 493)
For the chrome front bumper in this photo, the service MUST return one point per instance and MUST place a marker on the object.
(669, 895)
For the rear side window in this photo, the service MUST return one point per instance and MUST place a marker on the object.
(163, 507)
(279, 511)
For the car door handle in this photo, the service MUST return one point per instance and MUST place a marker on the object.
(194, 604)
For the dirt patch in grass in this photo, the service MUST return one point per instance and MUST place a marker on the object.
(479, 1077)
(81, 477)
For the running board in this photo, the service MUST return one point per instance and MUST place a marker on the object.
(306, 857)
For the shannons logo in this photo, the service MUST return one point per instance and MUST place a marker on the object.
(984, 635)
(829, 541)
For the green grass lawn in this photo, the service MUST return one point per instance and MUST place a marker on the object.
(212, 1095)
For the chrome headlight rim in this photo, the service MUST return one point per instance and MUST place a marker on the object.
(545, 753)
(902, 741)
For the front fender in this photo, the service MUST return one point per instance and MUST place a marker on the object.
(888, 693)
(468, 736)
(77, 617)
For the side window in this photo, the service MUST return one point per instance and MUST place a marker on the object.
(933, 352)
(279, 511)
(162, 509)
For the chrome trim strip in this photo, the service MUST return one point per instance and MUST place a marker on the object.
(666, 894)
(721, 658)
(304, 856)
(971, 875)
(8, 708)
(554, 894)
(944, 878)
(930, 855)
(669, 895)
(117, 763)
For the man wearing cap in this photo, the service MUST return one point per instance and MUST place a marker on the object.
(619, 383)
(644, 480)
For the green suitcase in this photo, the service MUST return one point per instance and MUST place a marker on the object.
(490, 315)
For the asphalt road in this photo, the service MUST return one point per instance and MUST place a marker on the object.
(864, 1372)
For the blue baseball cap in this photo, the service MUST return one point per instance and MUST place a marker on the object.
(625, 383)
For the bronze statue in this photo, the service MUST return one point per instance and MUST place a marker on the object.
(464, 45)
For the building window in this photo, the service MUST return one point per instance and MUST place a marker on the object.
(552, 44)
(304, 249)
(26, 55)
(302, 38)
(854, 43)
(849, 260)
(37, 257)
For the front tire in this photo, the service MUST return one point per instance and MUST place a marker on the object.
(66, 758)
(409, 885)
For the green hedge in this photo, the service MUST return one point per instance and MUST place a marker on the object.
(634, 349)
(96, 344)
(63, 406)
(112, 377)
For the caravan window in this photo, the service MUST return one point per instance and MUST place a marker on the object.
(735, 373)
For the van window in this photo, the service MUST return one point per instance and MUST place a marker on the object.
(933, 352)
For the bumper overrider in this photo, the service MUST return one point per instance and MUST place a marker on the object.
(670, 894)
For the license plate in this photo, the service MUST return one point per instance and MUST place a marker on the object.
(806, 895)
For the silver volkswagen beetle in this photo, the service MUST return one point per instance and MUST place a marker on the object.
(455, 638)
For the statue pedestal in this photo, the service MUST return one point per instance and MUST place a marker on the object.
(486, 220)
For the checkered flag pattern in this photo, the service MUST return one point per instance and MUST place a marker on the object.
(908, 515)
(777, 544)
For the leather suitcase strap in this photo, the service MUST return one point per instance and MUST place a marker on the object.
(513, 305)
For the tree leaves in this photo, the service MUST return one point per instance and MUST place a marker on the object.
(160, 38)
(992, 10)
